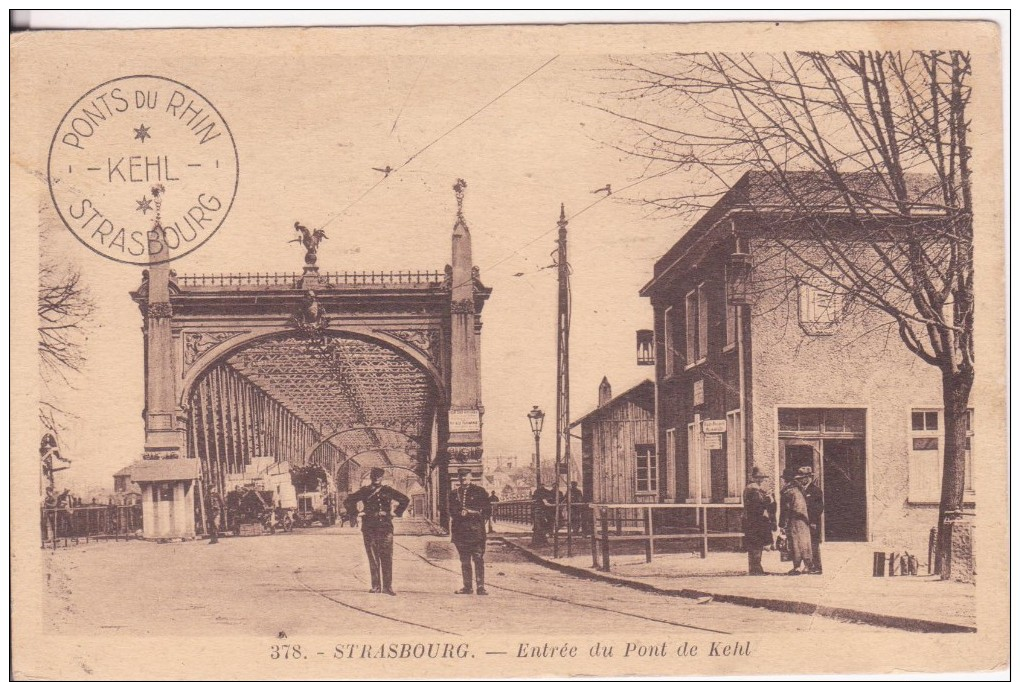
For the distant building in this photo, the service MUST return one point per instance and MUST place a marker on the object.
(122, 481)
(619, 461)
(509, 485)
(125, 490)
(755, 370)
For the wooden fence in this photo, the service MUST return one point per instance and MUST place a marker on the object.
(646, 524)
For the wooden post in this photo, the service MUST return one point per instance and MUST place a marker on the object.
(605, 539)
(650, 544)
(594, 541)
(704, 533)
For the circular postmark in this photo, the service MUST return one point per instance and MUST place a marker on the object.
(143, 169)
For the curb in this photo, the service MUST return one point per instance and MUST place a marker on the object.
(782, 605)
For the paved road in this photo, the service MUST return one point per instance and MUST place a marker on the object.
(315, 581)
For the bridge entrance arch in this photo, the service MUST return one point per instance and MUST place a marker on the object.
(346, 370)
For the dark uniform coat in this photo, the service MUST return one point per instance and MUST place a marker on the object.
(759, 516)
(378, 507)
(469, 529)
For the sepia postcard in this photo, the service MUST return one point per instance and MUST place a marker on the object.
(508, 351)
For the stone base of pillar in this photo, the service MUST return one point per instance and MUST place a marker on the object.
(310, 277)
(961, 564)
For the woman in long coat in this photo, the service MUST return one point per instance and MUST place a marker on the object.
(794, 517)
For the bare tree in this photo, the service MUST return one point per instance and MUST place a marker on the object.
(64, 308)
(866, 156)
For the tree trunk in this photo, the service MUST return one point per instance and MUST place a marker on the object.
(956, 386)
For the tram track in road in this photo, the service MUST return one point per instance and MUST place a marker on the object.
(369, 612)
(563, 600)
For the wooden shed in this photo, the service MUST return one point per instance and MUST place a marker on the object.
(619, 462)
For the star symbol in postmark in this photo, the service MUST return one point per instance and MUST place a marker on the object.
(142, 132)
(144, 205)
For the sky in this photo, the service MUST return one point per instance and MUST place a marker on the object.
(310, 126)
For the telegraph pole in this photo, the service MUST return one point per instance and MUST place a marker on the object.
(562, 383)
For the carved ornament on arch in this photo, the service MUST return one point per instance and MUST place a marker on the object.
(197, 344)
(425, 340)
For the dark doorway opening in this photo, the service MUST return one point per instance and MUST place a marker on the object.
(843, 480)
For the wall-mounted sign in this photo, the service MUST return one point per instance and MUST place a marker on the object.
(465, 421)
(699, 392)
(712, 441)
(713, 426)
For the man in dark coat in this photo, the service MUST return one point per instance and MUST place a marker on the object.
(543, 504)
(575, 497)
(469, 508)
(493, 499)
(816, 508)
(759, 520)
(377, 526)
(215, 514)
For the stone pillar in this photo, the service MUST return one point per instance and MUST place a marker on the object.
(465, 417)
(164, 436)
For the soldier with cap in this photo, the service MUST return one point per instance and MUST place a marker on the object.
(469, 508)
(377, 526)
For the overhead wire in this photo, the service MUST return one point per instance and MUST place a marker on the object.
(568, 218)
(433, 142)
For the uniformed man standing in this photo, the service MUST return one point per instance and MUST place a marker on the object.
(469, 508)
(377, 526)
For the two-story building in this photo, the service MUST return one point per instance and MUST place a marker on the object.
(757, 366)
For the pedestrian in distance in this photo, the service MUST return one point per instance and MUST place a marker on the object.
(794, 517)
(815, 508)
(469, 508)
(575, 498)
(215, 514)
(543, 506)
(377, 502)
(759, 520)
(493, 499)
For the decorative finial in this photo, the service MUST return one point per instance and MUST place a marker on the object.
(563, 216)
(458, 189)
(310, 239)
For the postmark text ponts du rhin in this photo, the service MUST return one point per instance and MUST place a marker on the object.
(143, 169)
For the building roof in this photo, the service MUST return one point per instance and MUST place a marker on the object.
(760, 192)
(165, 470)
(126, 471)
(629, 394)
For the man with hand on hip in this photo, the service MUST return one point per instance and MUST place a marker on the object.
(377, 526)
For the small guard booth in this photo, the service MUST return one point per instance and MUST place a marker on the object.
(168, 497)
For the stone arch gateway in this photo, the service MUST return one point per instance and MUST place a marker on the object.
(376, 368)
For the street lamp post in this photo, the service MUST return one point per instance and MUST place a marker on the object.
(536, 417)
